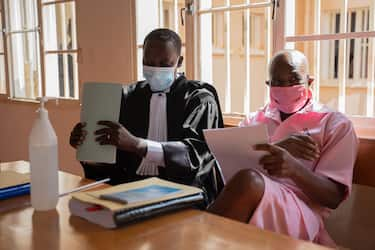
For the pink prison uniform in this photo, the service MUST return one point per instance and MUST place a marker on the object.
(284, 207)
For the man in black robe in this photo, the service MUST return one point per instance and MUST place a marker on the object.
(159, 132)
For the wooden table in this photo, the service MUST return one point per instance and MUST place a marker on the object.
(22, 228)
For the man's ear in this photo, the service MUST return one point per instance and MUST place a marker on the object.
(180, 60)
(310, 80)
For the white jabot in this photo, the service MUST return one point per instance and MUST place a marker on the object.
(157, 132)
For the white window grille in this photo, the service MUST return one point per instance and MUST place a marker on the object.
(234, 59)
(342, 35)
(33, 68)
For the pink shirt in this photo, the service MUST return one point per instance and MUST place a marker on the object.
(333, 132)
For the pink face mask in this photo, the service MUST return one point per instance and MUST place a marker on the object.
(289, 99)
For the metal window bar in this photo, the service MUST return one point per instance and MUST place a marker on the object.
(57, 2)
(175, 15)
(66, 51)
(62, 21)
(161, 14)
(5, 47)
(41, 47)
(337, 36)
(371, 64)
(229, 7)
(247, 95)
(270, 45)
(317, 15)
(343, 58)
(227, 104)
(23, 31)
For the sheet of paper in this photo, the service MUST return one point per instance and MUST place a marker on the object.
(100, 101)
(233, 147)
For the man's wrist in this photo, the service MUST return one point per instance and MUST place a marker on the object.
(298, 171)
(140, 147)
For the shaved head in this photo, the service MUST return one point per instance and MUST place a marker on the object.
(289, 67)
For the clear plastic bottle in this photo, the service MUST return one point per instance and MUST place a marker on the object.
(43, 162)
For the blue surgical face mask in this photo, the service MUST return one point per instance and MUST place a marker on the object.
(159, 78)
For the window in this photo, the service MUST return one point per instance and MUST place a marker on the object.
(230, 43)
(152, 14)
(34, 68)
(338, 38)
(234, 59)
(357, 54)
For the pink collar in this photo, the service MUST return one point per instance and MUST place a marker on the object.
(311, 107)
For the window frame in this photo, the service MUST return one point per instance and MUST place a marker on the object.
(8, 96)
(365, 125)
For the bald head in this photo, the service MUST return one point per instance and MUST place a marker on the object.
(288, 67)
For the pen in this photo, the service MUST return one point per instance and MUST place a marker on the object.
(85, 187)
(306, 130)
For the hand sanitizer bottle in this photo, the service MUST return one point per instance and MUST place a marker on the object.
(43, 162)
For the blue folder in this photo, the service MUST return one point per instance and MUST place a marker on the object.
(13, 191)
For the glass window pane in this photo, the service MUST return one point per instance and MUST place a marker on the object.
(61, 75)
(214, 58)
(302, 16)
(23, 61)
(22, 14)
(2, 76)
(148, 19)
(358, 76)
(59, 24)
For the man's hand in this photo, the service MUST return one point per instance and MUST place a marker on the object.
(300, 146)
(117, 135)
(278, 162)
(78, 135)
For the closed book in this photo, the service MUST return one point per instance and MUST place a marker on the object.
(13, 184)
(134, 201)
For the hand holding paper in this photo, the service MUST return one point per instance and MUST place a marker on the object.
(233, 147)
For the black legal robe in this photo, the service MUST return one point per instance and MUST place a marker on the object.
(191, 107)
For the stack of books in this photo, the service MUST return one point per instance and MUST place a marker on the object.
(126, 203)
(13, 184)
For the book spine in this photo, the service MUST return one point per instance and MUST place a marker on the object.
(14, 191)
(140, 213)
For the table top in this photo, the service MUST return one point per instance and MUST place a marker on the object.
(23, 228)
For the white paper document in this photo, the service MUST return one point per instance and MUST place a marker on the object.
(233, 147)
(101, 101)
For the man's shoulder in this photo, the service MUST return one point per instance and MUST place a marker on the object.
(134, 87)
(336, 121)
(196, 89)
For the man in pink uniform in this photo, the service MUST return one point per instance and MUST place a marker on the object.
(309, 162)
